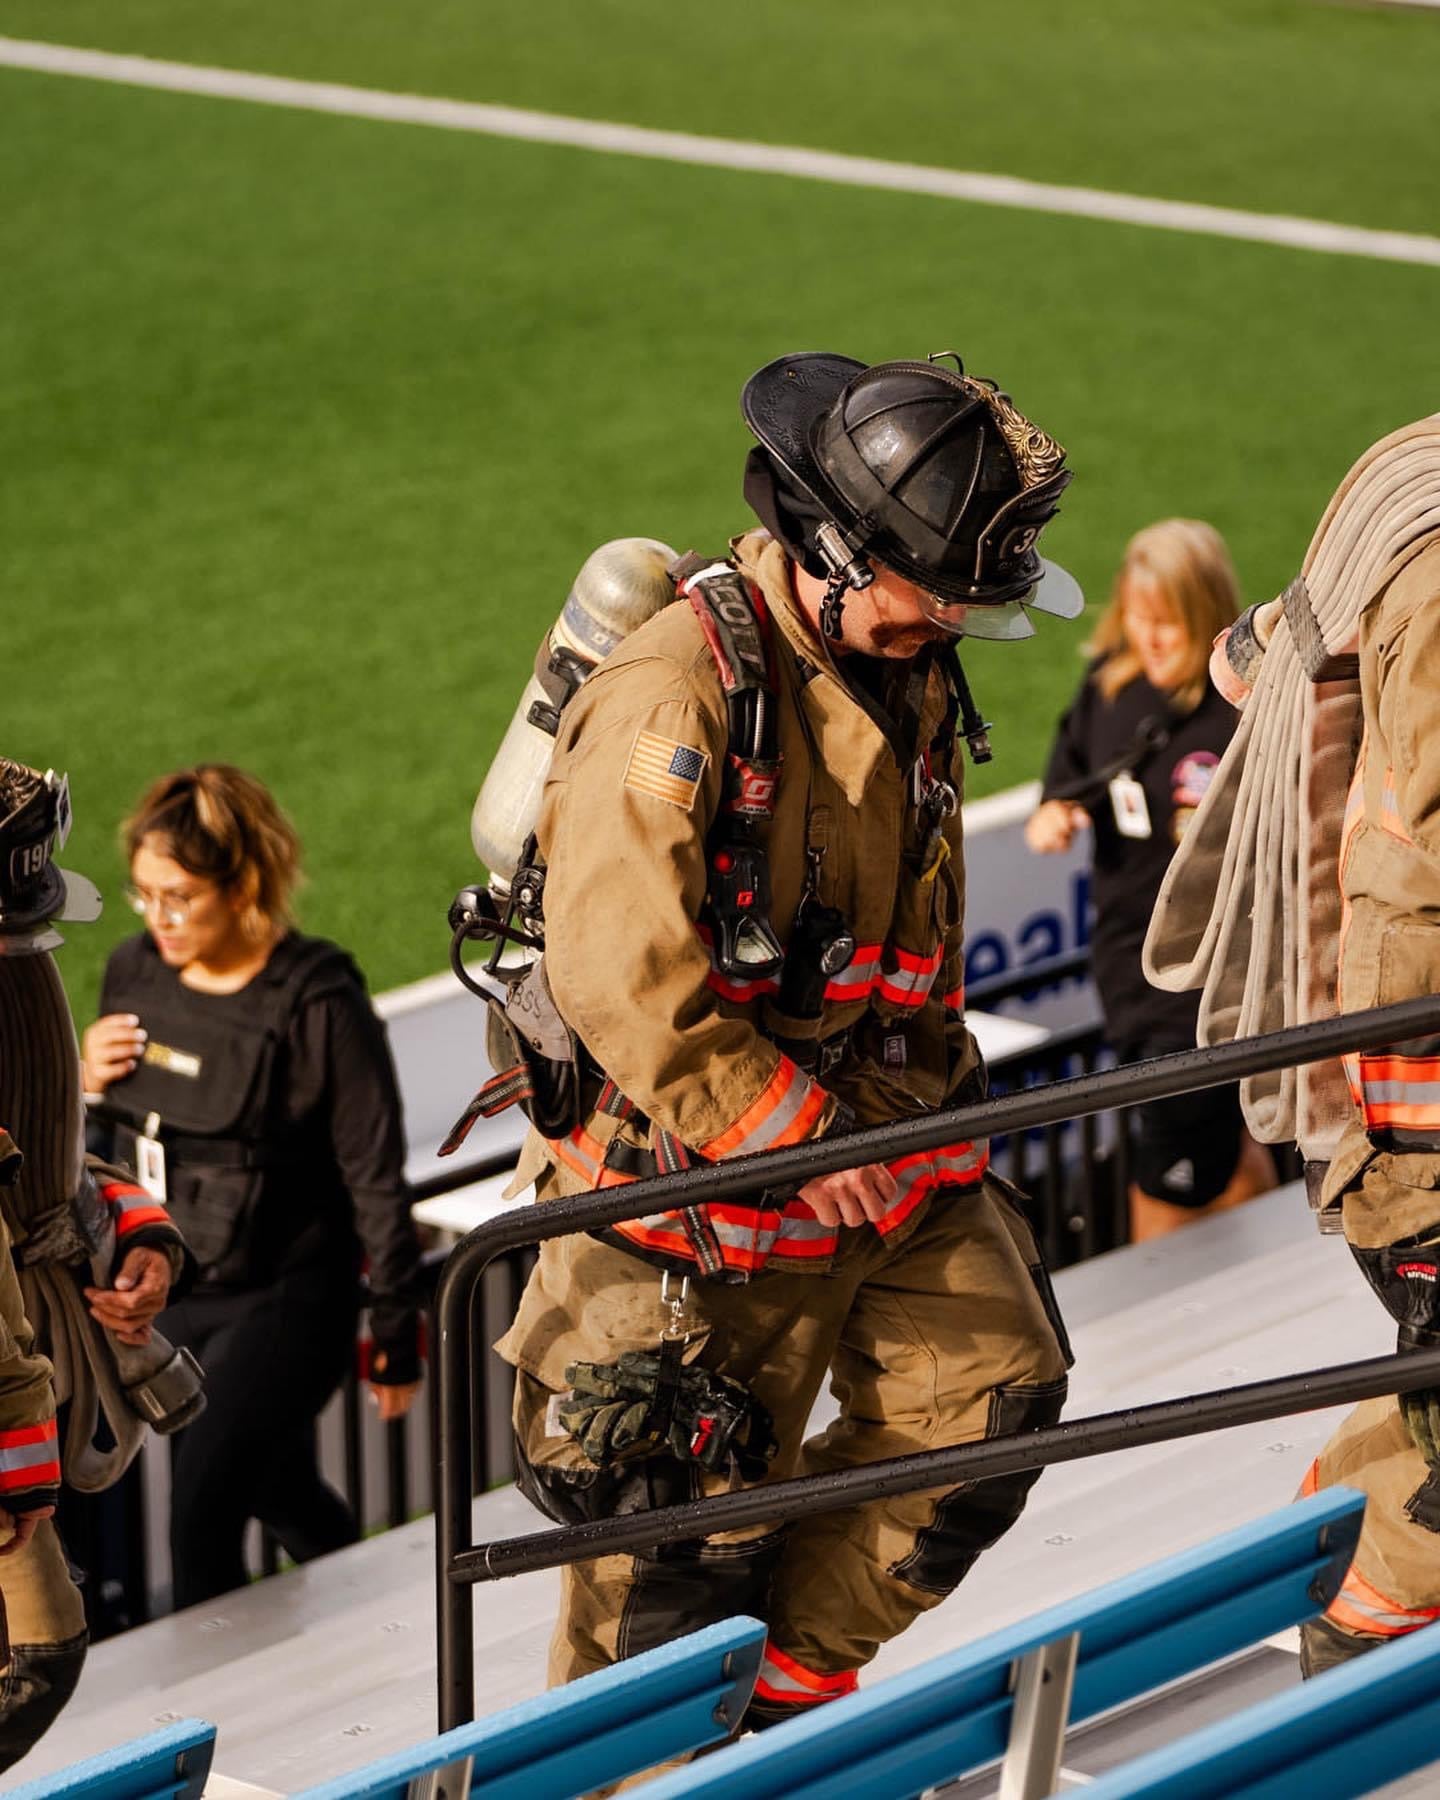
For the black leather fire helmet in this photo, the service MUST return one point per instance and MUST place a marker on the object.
(34, 822)
(926, 469)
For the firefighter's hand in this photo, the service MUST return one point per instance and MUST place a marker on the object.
(110, 1050)
(1053, 824)
(25, 1526)
(851, 1196)
(137, 1297)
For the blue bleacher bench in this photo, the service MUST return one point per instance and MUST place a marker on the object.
(1011, 1695)
(1342, 1734)
(680, 1698)
(170, 1764)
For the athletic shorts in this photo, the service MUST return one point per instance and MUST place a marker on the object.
(1184, 1149)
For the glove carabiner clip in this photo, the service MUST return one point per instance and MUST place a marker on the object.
(674, 1305)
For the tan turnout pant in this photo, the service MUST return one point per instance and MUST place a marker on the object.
(947, 1335)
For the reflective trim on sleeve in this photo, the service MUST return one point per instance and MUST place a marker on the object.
(132, 1207)
(954, 1165)
(1399, 1094)
(954, 1001)
(785, 1111)
(29, 1457)
(1360, 1607)
(909, 983)
(857, 978)
(782, 1678)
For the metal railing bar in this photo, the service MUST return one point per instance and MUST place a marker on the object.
(457, 1175)
(1131, 1428)
(1049, 971)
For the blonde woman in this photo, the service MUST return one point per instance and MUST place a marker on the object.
(241, 1071)
(1132, 759)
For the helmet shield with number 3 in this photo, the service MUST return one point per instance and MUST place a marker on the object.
(928, 470)
(34, 822)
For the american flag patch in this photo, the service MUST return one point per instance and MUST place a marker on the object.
(666, 770)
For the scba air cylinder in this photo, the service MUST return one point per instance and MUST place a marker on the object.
(620, 586)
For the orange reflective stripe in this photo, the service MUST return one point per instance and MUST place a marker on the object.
(910, 981)
(586, 1156)
(1361, 1607)
(782, 1678)
(1311, 1484)
(785, 1111)
(29, 1457)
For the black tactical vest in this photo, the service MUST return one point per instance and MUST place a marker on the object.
(210, 1089)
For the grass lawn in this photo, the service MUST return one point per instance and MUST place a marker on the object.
(307, 422)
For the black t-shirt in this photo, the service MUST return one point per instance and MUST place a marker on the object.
(1174, 772)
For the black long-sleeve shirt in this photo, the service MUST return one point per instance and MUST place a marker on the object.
(1093, 734)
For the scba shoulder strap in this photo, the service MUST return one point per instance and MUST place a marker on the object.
(737, 628)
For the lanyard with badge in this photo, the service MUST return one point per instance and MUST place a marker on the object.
(1117, 779)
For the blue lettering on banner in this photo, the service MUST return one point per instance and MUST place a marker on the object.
(1037, 938)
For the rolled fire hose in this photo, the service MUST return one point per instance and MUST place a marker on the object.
(1249, 910)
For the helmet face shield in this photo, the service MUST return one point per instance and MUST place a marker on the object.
(1005, 623)
(1056, 592)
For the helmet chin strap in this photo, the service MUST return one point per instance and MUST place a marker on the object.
(848, 569)
(832, 606)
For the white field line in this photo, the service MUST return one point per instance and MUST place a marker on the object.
(722, 153)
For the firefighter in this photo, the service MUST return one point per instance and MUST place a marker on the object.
(1339, 680)
(749, 853)
(1385, 1176)
(87, 1262)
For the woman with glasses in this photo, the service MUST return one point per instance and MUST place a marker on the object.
(239, 1067)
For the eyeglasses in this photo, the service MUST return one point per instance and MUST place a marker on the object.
(170, 909)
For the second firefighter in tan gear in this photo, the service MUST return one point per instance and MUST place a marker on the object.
(917, 1284)
(1386, 1174)
(1351, 652)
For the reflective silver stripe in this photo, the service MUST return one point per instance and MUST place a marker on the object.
(1401, 1093)
(910, 980)
(779, 1682)
(28, 1456)
(965, 1164)
(856, 979)
(1399, 1621)
(780, 1117)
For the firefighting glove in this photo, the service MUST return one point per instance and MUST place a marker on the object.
(652, 1398)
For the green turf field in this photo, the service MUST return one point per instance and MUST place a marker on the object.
(307, 422)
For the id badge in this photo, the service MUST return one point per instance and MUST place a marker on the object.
(1127, 802)
(150, 1161)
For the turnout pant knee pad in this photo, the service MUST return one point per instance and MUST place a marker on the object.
(970, 1519)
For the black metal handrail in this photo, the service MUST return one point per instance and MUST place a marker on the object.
(788, 1168)
(1130, 1428)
